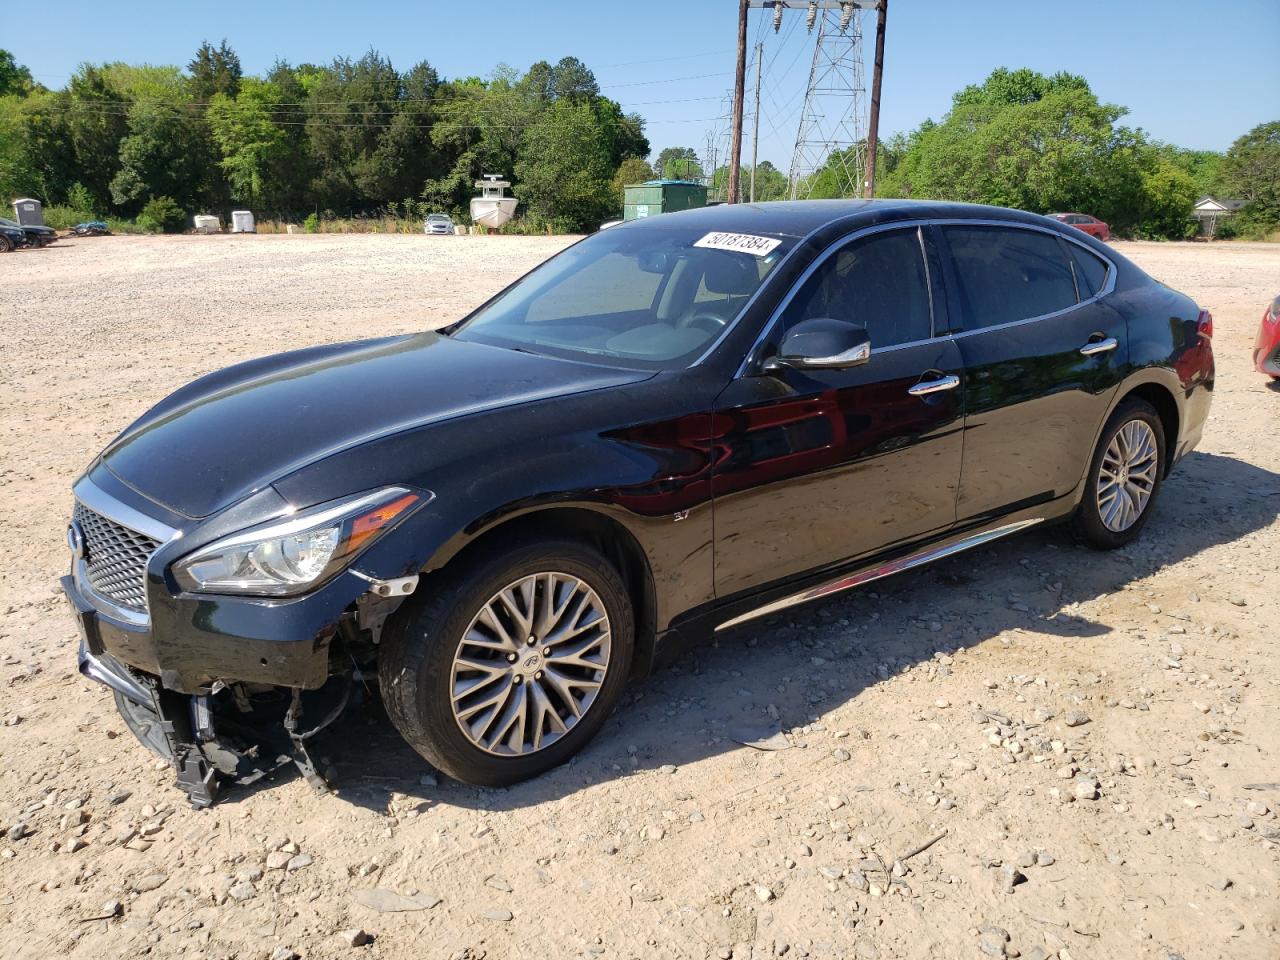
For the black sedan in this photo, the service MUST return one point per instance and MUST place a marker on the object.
(675, 426)
(25, 235)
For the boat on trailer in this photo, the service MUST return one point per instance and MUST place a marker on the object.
(493, 207)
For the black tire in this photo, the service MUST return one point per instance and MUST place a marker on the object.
(6, 245)
(1089, 525)
(419, 643)
(143, 724)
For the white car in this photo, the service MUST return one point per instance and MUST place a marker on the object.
(438, 223)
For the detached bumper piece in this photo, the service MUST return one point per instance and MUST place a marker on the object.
(231, 737)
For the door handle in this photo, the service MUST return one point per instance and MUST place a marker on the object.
(1099, 346)
(934, 386)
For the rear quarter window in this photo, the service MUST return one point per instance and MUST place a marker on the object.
(1005, 274)
(1091, 270)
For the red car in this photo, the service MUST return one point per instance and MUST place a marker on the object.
(1266, 350)
(1082, 221)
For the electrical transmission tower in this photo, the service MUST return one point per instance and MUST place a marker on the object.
(832, 136)
(835, 137)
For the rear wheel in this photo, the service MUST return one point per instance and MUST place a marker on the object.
(6, 245)
(1124, 477)
(509, 665)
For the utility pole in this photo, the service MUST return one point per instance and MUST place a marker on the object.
(755, 122)
(739, 84)
(873, 122)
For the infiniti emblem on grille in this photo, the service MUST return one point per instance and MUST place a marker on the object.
(75, 540)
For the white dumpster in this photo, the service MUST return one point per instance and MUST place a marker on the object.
(207, 223)
(242, 221)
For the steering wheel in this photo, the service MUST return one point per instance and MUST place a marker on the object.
(703, 320)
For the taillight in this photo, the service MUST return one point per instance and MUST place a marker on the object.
(1204, 324)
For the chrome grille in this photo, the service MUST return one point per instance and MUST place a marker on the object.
(115, 558)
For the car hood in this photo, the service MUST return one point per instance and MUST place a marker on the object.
(233, 432)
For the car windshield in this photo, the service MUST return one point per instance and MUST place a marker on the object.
(653, 297)
(9, 223)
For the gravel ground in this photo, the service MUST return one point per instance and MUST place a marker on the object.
(1029, 751)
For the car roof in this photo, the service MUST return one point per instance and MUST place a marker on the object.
(798, 218)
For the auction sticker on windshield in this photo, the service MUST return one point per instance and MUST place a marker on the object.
(739, 242)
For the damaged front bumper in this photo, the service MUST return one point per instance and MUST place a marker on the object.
(237, 715)
(211, 742)
(226, 688)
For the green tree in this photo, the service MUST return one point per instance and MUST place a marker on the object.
(1005, 88)
(97, 121)
(163, 156)
(564, 170)
(1251, 171)
(215, 70)
(1204, 167)
(251, 143)
(678, 163)
(771, 183)
(162, 215)
(15, 79)
(1166, 201)
(631, 170)
(571, 79)
(1042, 144)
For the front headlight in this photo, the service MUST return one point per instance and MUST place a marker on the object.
(290, 556)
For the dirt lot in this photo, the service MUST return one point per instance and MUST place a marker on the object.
(946, 705)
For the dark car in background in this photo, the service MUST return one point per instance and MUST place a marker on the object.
(1085, 223)
(32, 235)
(11, 237)
(673, 427)
(1266, 349)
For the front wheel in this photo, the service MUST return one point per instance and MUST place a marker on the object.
(6, 245)
(1124, 477)
(506, 667)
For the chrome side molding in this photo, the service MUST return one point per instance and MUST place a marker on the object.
(848, 581)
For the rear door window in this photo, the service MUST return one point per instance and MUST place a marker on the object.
(1006, 274)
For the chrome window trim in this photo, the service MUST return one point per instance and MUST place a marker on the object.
(1108, 285)
(93, 497)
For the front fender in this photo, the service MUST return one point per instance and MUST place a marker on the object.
(651, 479)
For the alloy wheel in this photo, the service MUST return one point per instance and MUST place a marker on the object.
(531, 664)
(1127, 475)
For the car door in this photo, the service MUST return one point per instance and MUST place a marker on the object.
(1043, 354)
(819, 466)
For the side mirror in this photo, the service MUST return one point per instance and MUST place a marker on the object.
(821, 343)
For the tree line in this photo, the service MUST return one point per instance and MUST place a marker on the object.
(348, 138)
(1047, 144)
(359, 137)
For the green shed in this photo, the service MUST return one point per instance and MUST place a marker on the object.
(661, 196)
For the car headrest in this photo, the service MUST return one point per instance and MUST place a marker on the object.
(730, 273)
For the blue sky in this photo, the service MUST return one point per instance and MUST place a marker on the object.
(1191, 72)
